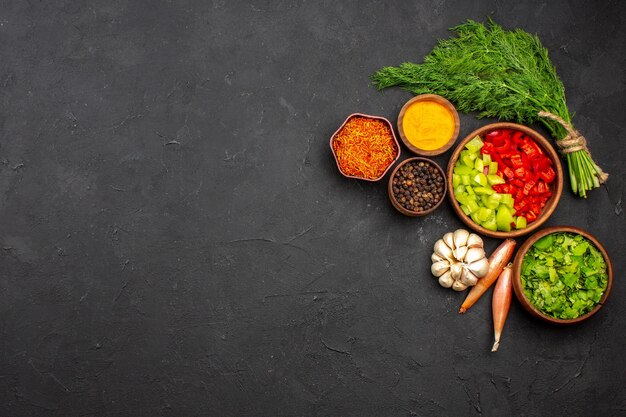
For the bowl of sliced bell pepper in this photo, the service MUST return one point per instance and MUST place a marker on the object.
(504, 180)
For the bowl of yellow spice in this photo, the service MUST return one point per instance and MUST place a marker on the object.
(428, 125)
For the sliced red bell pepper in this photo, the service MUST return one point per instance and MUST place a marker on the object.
(534, 191)
(528, 186)
(526, 161)
(529, 176)
(525, 168)
(520, 206)
(496, 158)
(542, 187)
(534, 145)
(518, 137)
(502, 144)
(529, 150)
(548, 175)
(493, 134)
(487, 148)
(541, 163)
(516, 161)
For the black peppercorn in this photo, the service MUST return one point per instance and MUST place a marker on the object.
(418, 186)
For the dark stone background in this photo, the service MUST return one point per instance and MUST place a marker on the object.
(176, 240)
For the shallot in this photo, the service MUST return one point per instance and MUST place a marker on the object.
(498, 259)
(500, 304)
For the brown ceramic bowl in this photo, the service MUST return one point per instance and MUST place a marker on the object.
(443, 102)
(517, 268)
(556, 187)
(393, 135)
(411, 212)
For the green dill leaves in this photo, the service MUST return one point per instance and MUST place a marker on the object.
(497, 73)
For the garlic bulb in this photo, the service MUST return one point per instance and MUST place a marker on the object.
(473, 255)
(479, 268)
(458, 286)
(442, 250)
(474, 241)
(440, 268)
(459, 260)
(448, 239)
(468, 278)
(459, 253)
(456, 269)
(446, 280)
(460, 238)
(436, 258)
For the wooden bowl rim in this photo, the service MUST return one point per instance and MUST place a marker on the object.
(393, 135)
(557, 186)
(441, 100)
(517, 268)
(404, 210)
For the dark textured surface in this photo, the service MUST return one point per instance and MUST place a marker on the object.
(177, 241)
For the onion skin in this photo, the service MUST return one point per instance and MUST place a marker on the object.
(497, 261)
(500, 303)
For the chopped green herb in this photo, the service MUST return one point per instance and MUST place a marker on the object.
(564, 275)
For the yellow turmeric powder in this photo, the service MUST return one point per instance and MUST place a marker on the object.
(428, 125)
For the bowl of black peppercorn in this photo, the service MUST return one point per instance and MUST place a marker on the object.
(417, 186)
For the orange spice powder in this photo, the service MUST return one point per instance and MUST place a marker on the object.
(428, 125)
(364, 147)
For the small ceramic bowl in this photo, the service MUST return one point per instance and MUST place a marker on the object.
(393, 135)
(397, 205)
(437, 99)
(556, 186)
(517, 281)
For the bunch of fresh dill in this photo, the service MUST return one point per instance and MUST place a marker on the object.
(502, 74)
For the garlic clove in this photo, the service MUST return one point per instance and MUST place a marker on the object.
(449, 239)
(474, 241)
(460, 238)
(456, 269)
(436, 258)
(446, 280)
(458, 286)
(468, 278)
(439, 268)
(442, 250)
(460, 252)
(479, 268)
(473, 255)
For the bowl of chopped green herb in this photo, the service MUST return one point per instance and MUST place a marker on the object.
(562, 275)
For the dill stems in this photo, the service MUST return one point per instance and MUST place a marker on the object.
(497, 73)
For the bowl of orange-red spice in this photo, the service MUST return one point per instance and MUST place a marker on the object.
(365, 147)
